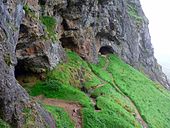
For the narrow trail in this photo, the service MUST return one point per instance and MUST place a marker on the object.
(137, 114)
(72, 108)
(106, 64)
(98, 86)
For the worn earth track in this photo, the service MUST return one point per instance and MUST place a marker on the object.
(137, 113)
(72, 108)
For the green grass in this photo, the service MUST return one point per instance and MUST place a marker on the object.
(61, 117)
(115, 110)
(50, 24)
(28, 11)
(153, 103)
(53, 89)
(3, 124)
(132, 11)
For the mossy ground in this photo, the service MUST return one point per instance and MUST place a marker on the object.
(3, 124)
(61, 117)
(79, 81)
(132, 11)
(50, 24)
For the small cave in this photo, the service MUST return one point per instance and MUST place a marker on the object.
(20, 72)
(42, 2)
(23, 29)
(68, 42)
(25, 77)
(65, 25)
(104, 50)
(19, 69)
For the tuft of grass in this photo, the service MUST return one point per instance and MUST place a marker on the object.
(54, 89)
(28, 11)
(3, 124)
(62, 118)
(132, 11)
(29, 117)
(105, 119)
(50, 24)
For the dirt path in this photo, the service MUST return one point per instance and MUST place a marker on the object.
(137, 114)
(106, 64)
(72, 108)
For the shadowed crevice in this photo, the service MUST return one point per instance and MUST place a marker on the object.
(104, 50)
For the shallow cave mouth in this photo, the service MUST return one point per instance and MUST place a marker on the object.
(23, 29)
(42, 2)
(25, 77)
(68, 43)
(104, 50)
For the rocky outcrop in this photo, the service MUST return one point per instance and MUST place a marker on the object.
(86, 26)
(15, 104)
(37, 51)
(89, 25)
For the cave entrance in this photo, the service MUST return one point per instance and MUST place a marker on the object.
(42, 2)
(68, 43)
(104, 50)
(19, 69)
(25, 77)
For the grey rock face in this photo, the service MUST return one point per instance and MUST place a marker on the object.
(35, 51)
(14, 100)
(89, 25)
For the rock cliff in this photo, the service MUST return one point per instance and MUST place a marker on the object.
(16, 105)
(85, 27)
(34, 34)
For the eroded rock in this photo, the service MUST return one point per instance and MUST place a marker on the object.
(36, 51)
(15, 102)
(89, 25)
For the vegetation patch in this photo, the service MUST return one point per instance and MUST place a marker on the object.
(3, 124)
(153, 103)
(29, 117)
(28, 11)
(53, 89)
(61, 117)
(132, 11)
(102, 90)
(7, 59)
(50, 24)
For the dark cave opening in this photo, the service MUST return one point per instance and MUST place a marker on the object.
(68, 42)
(104, 50)
(42, 2)
(26, 77)
(23, 29)
(20, 72)
(23, 32)
(65, 25)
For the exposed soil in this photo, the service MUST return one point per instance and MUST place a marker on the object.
(72, 108)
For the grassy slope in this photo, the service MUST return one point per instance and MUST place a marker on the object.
(79, 81)
(61, 117)
(3, 124)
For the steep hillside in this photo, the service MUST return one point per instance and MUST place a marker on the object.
(85, 27)
(111, 94)
(79, 87)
